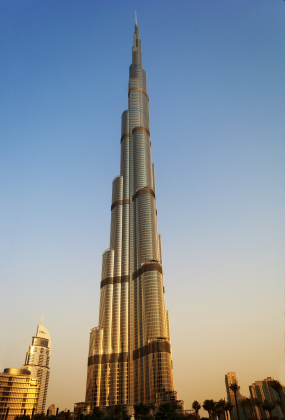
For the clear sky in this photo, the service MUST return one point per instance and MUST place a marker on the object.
(215, 73)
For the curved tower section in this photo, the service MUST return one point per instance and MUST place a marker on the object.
(37, 362)
(130, 353)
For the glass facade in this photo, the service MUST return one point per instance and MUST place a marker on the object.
(19, 391)
(263, 391)
(130, 352)
(232, 379)
(37, 362)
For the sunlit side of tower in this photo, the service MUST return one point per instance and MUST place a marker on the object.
(19, 392)
(37, 362)
(129, 353)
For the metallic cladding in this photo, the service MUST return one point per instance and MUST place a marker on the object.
(130, 352)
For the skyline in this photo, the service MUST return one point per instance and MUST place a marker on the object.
(223, 110)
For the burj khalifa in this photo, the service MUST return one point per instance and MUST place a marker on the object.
(130, 351)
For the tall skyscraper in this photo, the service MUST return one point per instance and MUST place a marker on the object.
(263, 391)
(130, 353)
(37, 362)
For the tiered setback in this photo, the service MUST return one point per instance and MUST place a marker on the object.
(130, 353)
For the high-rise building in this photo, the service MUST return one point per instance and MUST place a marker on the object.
(263, 391)
(230, 379)
(19, 392)
(51, 410)
(37, 362)
(130, 353)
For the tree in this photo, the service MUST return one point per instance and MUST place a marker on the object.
(196, 406)
(209, 405)
(218, 410)
(229, 407)
(97, 414)
(142, 411)
(223, 405)
(119, 412)
(251, 407)
(268, 406)
(167, 411)
(277, 386)
(235, 388)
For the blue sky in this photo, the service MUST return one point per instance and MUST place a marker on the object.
(215, 73)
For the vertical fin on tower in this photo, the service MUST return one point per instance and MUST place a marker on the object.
(167, 329)
(159, 253)
(153, 177)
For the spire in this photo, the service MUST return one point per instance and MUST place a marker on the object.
(137, 41)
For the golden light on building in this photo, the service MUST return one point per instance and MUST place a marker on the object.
(130, 358)
(19, 391)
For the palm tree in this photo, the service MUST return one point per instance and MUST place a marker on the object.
(229, 408)
(276, 385)
(218, 410)
(243, 404)
(250, 404)
(196, 406)
(223, 404)
(268, 406)
(209, 405)
(235, 388)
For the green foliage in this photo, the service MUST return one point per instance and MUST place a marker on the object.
(142, 411)
(167, 411)
(97, 414)
(119, 412)
(210, 406)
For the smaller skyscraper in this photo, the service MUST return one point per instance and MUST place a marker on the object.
(263, 391)
(51, 410)
(19, 392)
(231, 378)
(37, 362)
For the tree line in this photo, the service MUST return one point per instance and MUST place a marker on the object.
(217, 410)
